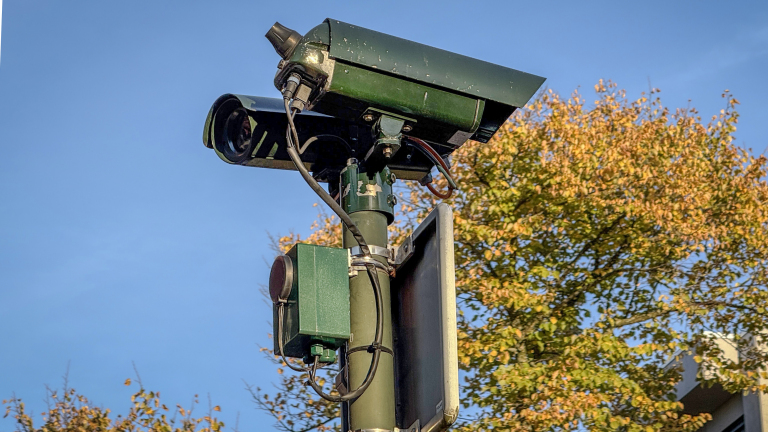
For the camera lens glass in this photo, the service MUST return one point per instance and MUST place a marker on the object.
(238, 131)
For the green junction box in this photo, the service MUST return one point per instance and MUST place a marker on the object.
(317, 310)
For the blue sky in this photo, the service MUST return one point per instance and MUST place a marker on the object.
(122, 238)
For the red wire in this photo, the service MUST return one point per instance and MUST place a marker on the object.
(438, 194)
(440, 160)
(432, 151)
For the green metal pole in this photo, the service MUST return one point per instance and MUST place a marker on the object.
(370, 202)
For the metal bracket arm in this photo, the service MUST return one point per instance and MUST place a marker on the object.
(399, 255)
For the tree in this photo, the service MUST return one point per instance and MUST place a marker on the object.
(594, 243)
(70, 411)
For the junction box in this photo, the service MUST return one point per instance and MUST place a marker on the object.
(316, 316)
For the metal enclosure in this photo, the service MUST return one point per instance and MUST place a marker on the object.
(318, 306)
(443, 97)
(424, 308)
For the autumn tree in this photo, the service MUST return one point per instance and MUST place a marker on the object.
(69, 411)
(594, 243)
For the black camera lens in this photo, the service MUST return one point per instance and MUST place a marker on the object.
(237, 131)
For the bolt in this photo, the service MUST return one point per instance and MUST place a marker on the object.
(407, 128)
(368, 117)
(387, 152)
(392, 178)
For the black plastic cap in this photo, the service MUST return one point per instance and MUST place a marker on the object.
(283, 39)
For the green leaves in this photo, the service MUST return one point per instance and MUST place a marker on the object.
(618, 209)
(593, 243)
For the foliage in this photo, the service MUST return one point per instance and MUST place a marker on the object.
(70, 412)
(296, 407)
(594, 244)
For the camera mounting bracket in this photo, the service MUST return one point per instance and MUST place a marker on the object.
(387, 133)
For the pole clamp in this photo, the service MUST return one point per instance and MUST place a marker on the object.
(371, 349)
(358, 264)
(355, 251)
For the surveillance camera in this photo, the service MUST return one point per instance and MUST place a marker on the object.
(358, 75)
(356, 90)
(250, 131)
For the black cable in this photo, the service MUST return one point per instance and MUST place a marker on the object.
(378, 337)
(325, 196)
(279, 336)
(425, 153)
(336, 138)
(292, 137)
(436, 159)
(440, 165)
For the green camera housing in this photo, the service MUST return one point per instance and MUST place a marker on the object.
(317, 309)
(358, 74)
(353, 80)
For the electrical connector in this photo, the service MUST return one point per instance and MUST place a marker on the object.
(291, 84)
(301, 97)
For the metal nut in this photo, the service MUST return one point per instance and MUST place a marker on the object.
(387, 152)
(368, 117)
(407, 128)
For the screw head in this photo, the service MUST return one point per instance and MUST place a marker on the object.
(368, 117)
(392, 200)
(407, 128)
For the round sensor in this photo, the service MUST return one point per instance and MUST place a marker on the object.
(281, 278)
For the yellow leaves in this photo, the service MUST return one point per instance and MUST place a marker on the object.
(75, 412)
(537, 250)
(127, 382)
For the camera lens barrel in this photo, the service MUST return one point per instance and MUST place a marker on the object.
(237, 131)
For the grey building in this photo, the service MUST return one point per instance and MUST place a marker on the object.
(730, 412)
